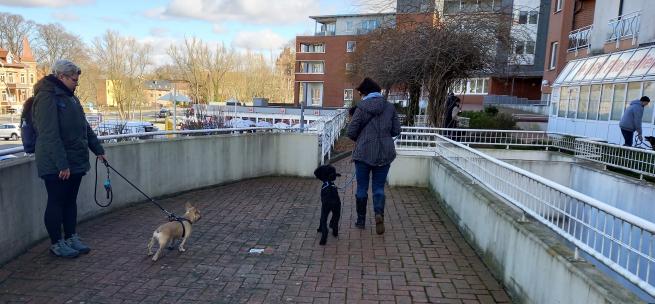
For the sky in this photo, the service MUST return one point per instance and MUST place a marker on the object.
(261, 25)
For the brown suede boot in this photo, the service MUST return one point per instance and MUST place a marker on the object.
(379, 223)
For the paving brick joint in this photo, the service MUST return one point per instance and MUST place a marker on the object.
(420, 258)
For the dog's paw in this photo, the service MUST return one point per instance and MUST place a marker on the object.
(150, 253)
(154, 259)
(335, 233)
(318, 230)
(322, 242)
(181, 249)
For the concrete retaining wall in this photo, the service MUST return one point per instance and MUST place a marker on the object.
(533, 263)
(158, 167)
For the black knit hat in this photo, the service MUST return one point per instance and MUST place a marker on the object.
(644, 98)
(368, 86)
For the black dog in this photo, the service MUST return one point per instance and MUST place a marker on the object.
(651, 140)
(330, 201)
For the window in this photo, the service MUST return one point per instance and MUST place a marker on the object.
(573, 101)
(594, 101)
(584, 102)
(649, 90)
(524, 48)
(349, 26)
(523, 17)
(2, 77)
(31, 78)
(10, 77)
(312, 48)
(605, 102)
(316, 96)
(563, 102)
(618, 103)
(350, 46)
(4, 96)
(348, 94)
(558, 5)
(533, 16)
(311, 67)
(350, 67)
(553, 55)
(22, 78)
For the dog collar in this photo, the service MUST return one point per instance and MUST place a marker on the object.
(328, 184)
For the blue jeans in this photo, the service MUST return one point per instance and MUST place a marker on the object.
(378, 178)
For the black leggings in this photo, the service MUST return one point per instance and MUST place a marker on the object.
(62, 205)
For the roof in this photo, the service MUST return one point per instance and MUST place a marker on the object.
(631, 65)
(327, 17)
(27, 52)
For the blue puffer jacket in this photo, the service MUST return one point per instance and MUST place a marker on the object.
(631, 120)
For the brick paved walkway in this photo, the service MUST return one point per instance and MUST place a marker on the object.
(421, 257)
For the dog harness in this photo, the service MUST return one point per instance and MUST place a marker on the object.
(182, 220)
(328, 184)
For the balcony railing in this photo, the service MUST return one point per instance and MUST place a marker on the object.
(624, 27)
(325, 33)
(579, 39)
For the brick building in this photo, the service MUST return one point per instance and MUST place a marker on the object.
(18, 75)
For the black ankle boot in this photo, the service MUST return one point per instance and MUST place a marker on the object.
(361, 212)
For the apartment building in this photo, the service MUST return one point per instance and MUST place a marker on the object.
(17, 77)
(152, 90)
(601, 57)
(323, 61)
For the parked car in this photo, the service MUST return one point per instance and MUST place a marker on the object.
(163, 113)
(9, 131)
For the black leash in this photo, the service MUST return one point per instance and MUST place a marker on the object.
(110, 196)
(641, 142)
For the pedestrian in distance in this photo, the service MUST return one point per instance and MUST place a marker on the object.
(631, 120)
(62, 157)
(373, 126)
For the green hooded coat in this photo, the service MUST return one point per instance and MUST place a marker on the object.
(64, 135)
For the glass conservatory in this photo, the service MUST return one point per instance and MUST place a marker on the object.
(590, 94)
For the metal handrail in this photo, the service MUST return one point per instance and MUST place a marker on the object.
(579, 38)
(626, 25)
(573, 215)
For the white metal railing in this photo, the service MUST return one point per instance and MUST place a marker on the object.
(624, 26)
(579, 39)
(622, 241)
(638, 161)
(328, 130)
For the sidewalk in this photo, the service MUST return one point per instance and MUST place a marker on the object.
(422, 257)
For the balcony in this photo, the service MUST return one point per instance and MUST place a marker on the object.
(624, 27)
(579, 39)
(325, 33)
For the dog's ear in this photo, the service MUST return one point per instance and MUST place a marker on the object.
(187, 205)
(317, 172)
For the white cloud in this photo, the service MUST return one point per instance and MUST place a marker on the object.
(156, 13)
(252, 11)
(261, 40)
(47, 3)
(158, 31)
(65, 16)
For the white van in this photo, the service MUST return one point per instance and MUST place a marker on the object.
(114, 127)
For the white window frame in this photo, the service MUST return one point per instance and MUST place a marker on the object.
(22, 78)
(348, 94)
(558, 5)
(350, 67)
(554, 49)
(308, 67)
(350, 27)
(351, 46)
(311, 48)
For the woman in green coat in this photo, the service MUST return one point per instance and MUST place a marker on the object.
(62, 157)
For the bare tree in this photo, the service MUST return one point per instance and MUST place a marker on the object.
(427, 53)
(53, 42)
(13, 29)
(123, 61)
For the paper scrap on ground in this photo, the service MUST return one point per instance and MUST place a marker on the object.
(256, 250)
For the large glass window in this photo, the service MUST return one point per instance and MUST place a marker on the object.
(350, 46)
(634, 92)
(594, 102)
(312, 48)
(348, 94)
(563, 102)
(311, 67)
(618, 104)
(584, 102)
(573, 101)
(649, 90)
(605, 102)
(554, 101)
